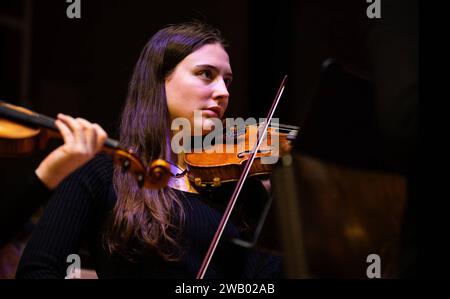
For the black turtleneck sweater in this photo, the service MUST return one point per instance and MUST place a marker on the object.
(79, 208)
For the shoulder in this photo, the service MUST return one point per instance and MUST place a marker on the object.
(100, 165)
(97, 173)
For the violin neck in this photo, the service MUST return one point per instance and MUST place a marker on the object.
(26, 117)
(33, 119)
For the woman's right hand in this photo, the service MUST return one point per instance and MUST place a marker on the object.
(82, 140)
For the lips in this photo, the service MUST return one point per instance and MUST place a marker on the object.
(215, 111)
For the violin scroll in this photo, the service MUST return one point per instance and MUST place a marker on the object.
(158, 174)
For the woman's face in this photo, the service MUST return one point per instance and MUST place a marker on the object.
(200, 82)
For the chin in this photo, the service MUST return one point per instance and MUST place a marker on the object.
(206, 123)
(205, 132)
(209, 123)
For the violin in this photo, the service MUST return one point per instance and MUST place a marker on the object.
(23, 132)
(223, 162)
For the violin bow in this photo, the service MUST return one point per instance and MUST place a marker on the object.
(240, 184)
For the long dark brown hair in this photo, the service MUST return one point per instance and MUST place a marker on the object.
(145, 219)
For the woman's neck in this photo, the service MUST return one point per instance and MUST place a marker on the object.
(183, 182)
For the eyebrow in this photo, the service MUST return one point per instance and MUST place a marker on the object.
(209, 66)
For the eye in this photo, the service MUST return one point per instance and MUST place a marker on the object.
(227, 81)
(206, 74)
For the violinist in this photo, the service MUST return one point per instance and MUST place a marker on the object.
(133, 232)
(82, 140)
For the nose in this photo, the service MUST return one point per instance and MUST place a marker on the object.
(220, 90)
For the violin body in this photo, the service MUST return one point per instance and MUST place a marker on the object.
(18, 140)
(224, 162)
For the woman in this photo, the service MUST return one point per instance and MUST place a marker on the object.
(134, 232)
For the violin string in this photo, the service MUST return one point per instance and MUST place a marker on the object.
(281, 126)
(274, 128)
(278, 126)
(278, 129)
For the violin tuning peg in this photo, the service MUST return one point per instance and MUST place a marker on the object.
(140, 180)
(125, 165)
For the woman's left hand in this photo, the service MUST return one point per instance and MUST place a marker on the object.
(82, 140)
